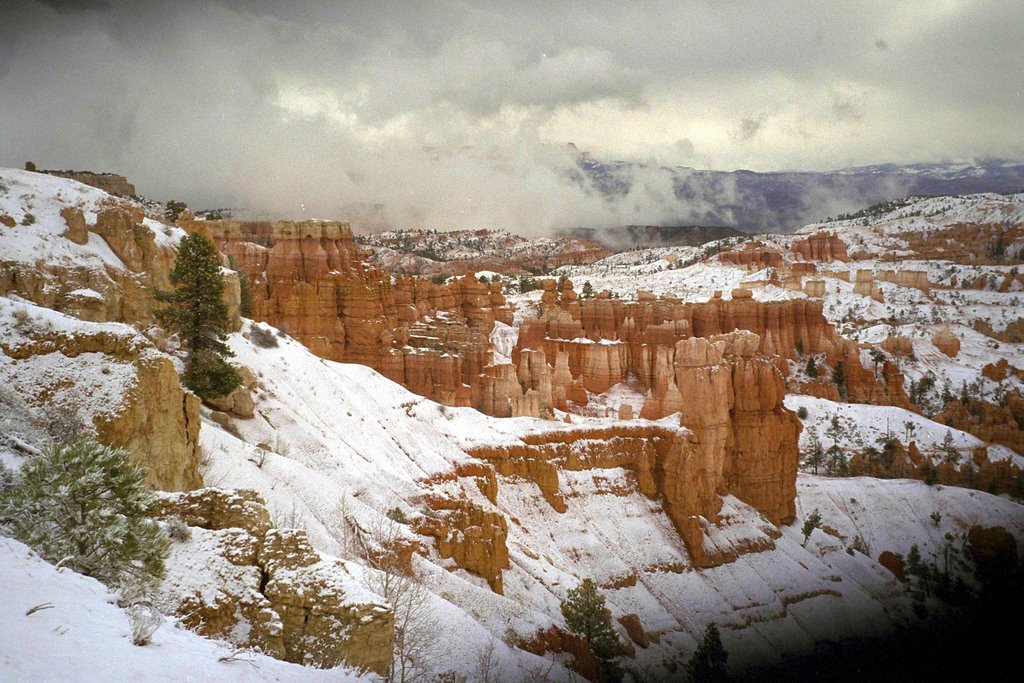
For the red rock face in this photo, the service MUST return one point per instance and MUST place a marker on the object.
(753, 256)
(309, 280)
(631, 332)
(821, 246)
(741, 440)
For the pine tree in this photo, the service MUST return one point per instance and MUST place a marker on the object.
(586, 614)
(815, 452)
(84, 504)
(174, 209)
(196, 310)
(588, 290)
(949, 452)
(839, 377)
(708, 661)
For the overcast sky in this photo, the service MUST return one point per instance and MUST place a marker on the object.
(458, 113)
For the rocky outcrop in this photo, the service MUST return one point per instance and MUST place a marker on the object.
(1000, 370)
(821, 246)
(990, 422)
(471, 536)
(240, 580)
(1013, 333)
(738, 439)
(115, 384)
(1000, 476)
(108, 294)
(960, 243)
(239, 403)
(947, 342)
(110, 183)
(752, 257)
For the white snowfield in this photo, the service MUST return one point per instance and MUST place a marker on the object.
(78, 634)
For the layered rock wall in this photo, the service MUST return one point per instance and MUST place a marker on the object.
(737, 439)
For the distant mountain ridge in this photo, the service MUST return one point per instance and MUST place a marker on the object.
(629, 236)
(783, 201)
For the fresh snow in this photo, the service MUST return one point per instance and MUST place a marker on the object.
(79, 634)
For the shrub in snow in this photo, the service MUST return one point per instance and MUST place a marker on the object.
(812, 522)
(84, 505)
(144, 620)
(586, 614)
(396, 515)
(262, 337)
(177, 530)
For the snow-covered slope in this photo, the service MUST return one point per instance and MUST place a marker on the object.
(56, 625)
(344, 440)
(35, 200)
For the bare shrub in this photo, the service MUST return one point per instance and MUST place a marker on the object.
(259, 458)
(144, 620)
(262, 337)
(291, 518)
(415, 620)
(23, 320)
(177, 530)
(487, 664)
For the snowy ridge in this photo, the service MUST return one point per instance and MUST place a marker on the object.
(39, 237)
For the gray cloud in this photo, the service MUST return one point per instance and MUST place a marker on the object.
(749, 128)
(457, 113)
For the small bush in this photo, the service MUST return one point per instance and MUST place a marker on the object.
(144, 620)
(812, 522)
(177, 530)
(262, 337)
(395, 514)
(28, 219)
(22, 319)
(801, 412)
